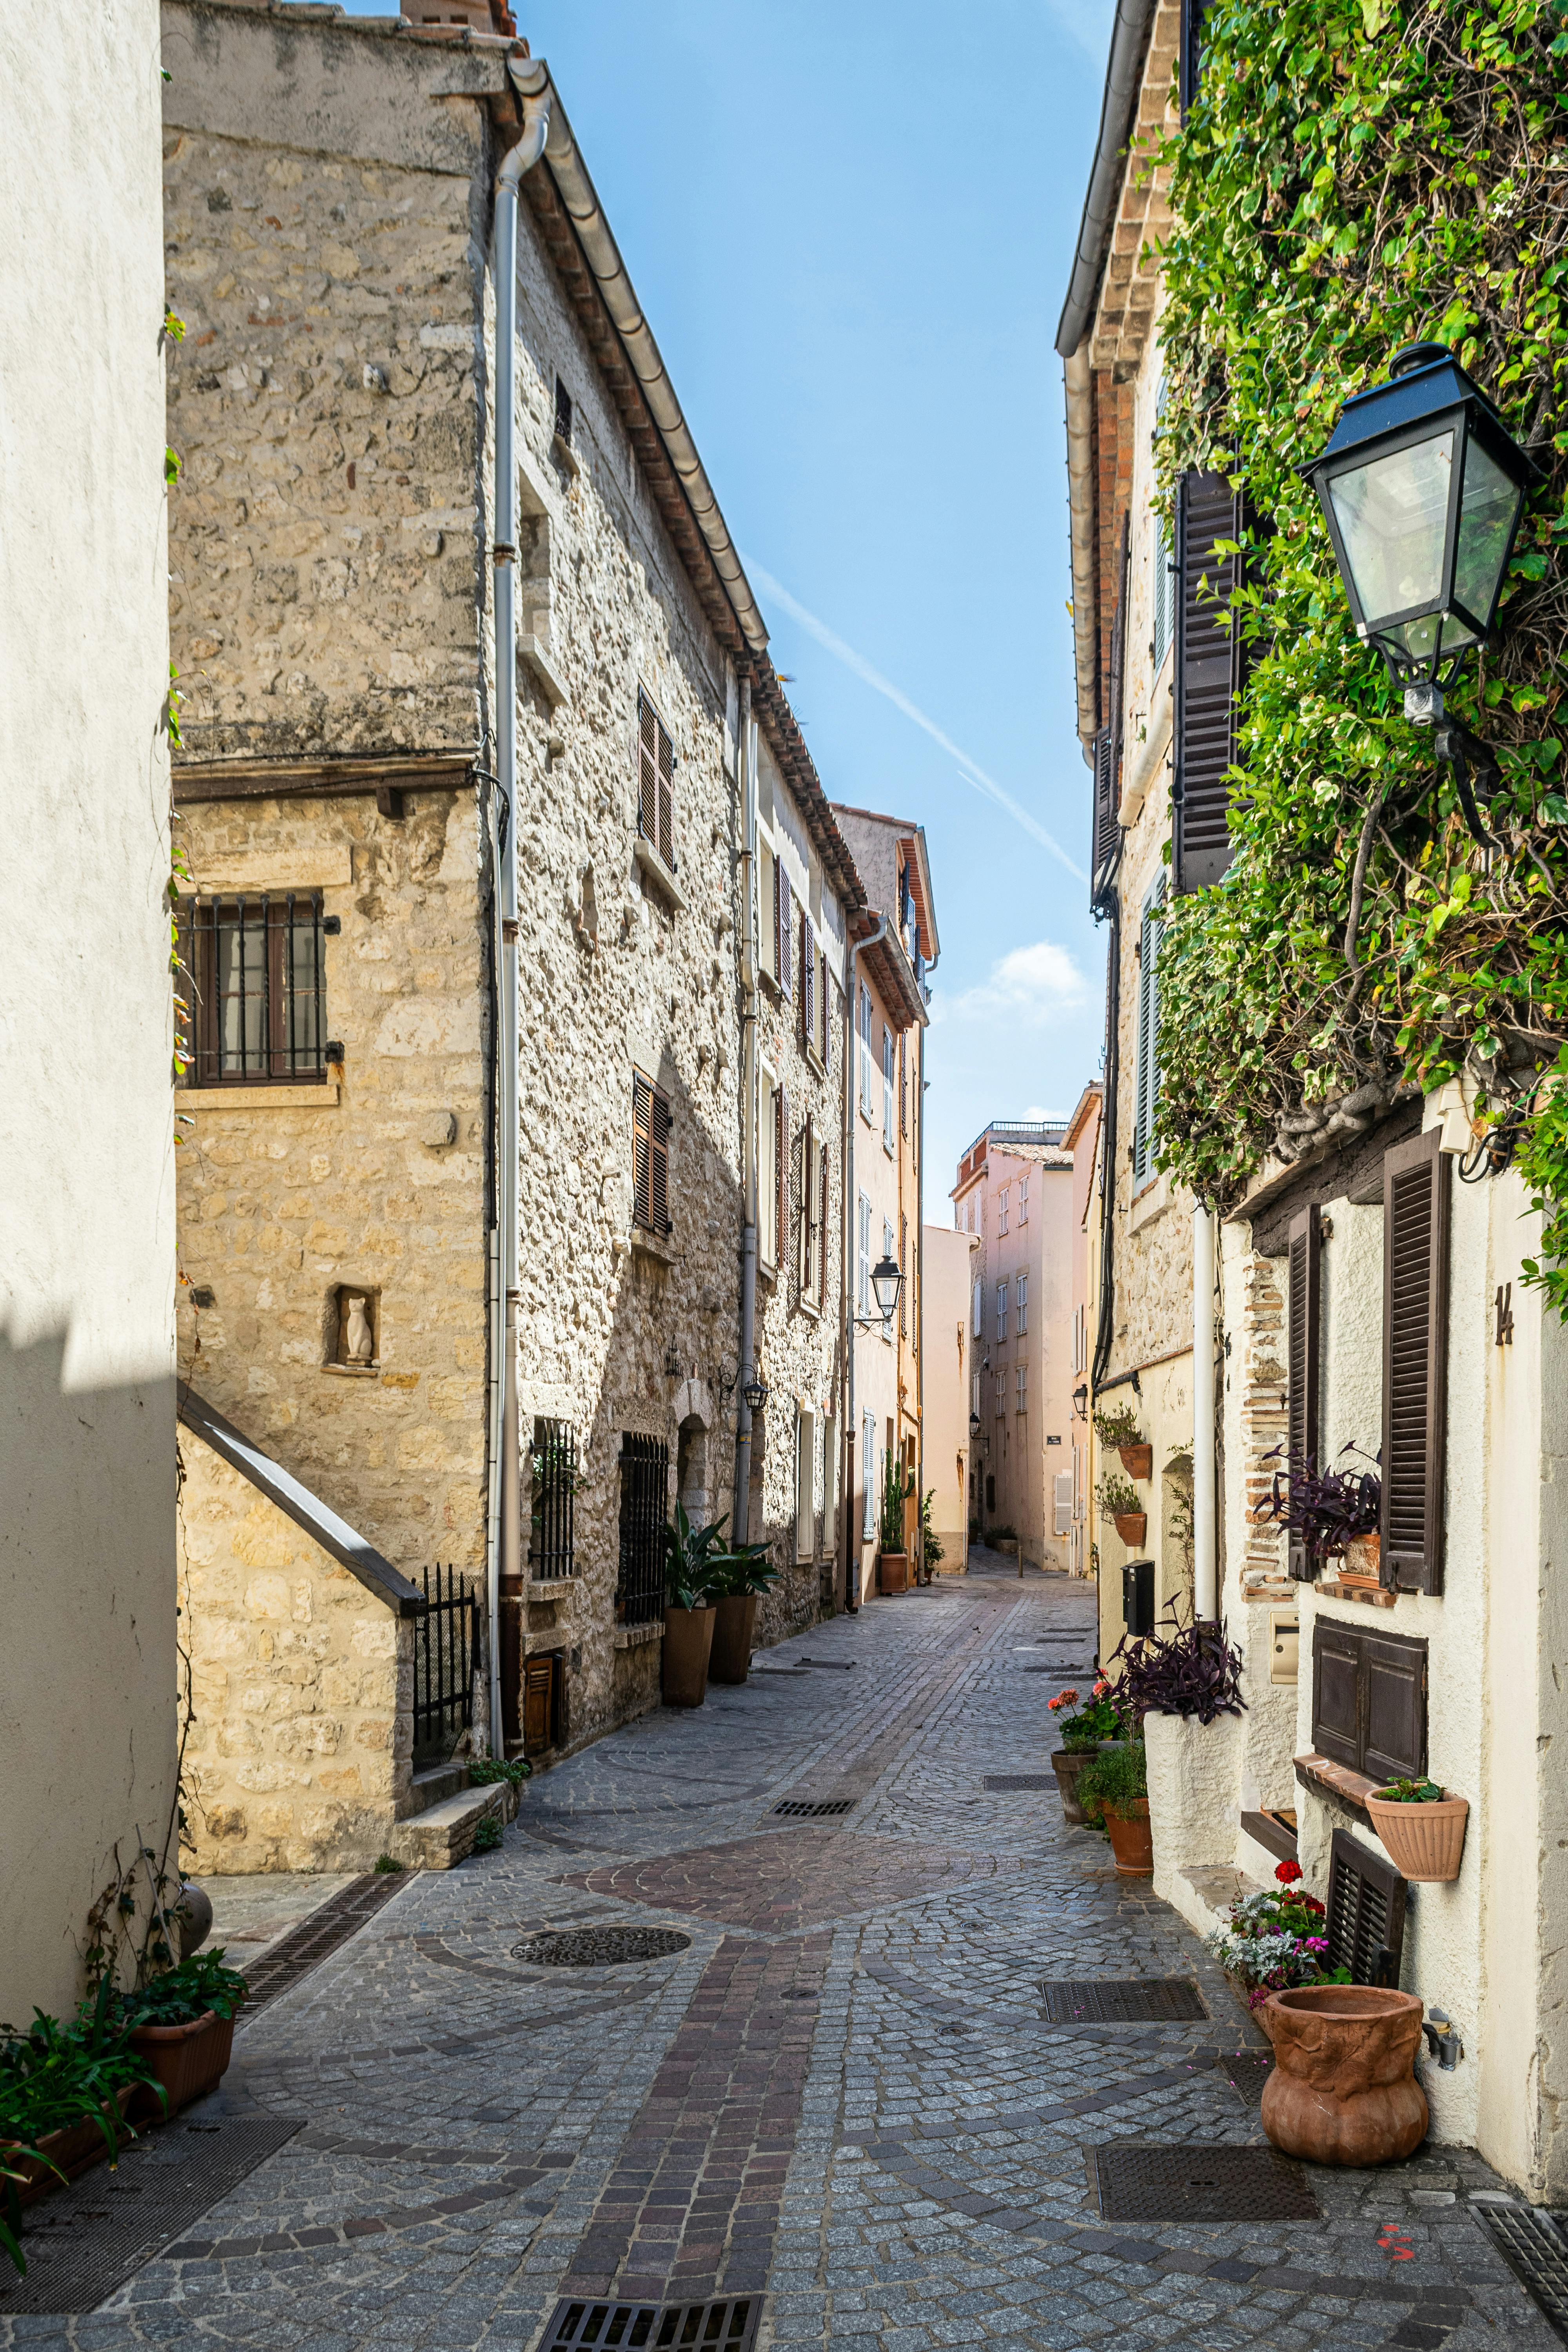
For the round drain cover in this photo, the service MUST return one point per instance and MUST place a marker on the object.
(599, 1948)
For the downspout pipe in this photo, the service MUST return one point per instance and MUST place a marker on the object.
(1206, 1593)
(504, 1561)
(741, 1506)
(852, 1205)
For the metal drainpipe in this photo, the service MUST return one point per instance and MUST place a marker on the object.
(852, 1203)
(504, 1549)
(741, 1518)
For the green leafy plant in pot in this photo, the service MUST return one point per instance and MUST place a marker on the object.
(1099, 1718)
(1119, 1504)
(692, 1557)
(1114, 1788)
(740, 1578)
(64, 2092)
(183, 2023)
(893, 1563)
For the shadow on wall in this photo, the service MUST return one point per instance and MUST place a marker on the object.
(86, 1600)
(1176, 1526)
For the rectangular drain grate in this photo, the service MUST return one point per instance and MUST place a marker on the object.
(1247, 2070)
(89, 2239)
(801, 1806)
(1128, 2000)
(1534, 2247)
(341, 1916)
(1135, 2182)
(727, 2326)
(1019, 1780)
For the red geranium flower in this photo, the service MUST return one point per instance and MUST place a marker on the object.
(1288, 1873)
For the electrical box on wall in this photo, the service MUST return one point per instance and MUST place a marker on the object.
(1284, 1638)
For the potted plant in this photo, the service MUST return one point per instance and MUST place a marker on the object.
(739, 1578)
(1117, 1500)
(1274, 1941)
(690, 1559)
(64, 2092)
(893, 1560)
(1118, 1429)
(1342, 2089)
(1115, 1787)
(1422, 1826)
(182, 2023)
(1331, 1513)
(1084, 1732)
(934, 1551)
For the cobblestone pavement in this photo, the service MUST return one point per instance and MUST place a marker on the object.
(840, 2087)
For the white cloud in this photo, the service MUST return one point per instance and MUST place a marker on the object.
(1029, 985)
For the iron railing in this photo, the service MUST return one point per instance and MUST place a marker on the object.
(552, 1532)
(645, 1486)
(253, 989)
(446, 1653)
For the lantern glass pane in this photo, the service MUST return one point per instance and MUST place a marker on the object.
(1488, 505)
(1393, 517)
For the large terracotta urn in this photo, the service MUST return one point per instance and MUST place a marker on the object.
(1132, 1838)
(893, 1571)
(1344, 2088)
(734, 1623)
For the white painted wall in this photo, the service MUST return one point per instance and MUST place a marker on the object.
(87, 1421)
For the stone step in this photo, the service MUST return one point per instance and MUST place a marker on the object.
(443, 1834)
(436, 1782)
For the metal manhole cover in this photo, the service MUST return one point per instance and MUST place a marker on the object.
(802, 1809)
(1135, 2182)
(728, 2326)
(1130, 2000)
(1535, 2249)
(599, 1948)
(1247, 2070)
(1019, 1780)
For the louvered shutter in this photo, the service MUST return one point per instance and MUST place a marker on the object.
(648, 769)
(822, 1200)
(666, 798)
(642, 1130)
(1146, 1088)
(1208, 679)
(799, 1224)
(1107, 832)
(786, 927)
(658, 1166)
(1336, 1693)
(1192, 13)
(807, 982)
(781, 1177)
(1367, 1913)
(827, 1014)
(1305, 1289)
(1394, 1743)
(1416, 1186)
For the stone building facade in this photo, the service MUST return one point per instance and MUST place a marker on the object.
(329, 187)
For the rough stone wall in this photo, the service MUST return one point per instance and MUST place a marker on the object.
(287, 1192)
(301, 1688)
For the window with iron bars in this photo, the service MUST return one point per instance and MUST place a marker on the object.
(645, 1489)
(553, 1531)
(254, 990)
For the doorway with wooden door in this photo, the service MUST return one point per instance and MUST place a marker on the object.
(544, 1702)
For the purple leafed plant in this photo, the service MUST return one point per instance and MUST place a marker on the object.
(1191, 1671)
(1328, 1509)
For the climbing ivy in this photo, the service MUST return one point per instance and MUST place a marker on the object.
(1356, 175)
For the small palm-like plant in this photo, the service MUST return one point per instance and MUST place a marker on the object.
(691, 1559)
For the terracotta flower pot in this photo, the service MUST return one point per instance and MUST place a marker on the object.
(1343, 2089)
(1138, 1461)
(1423, 1841)
(73, 2151)
(1132, 1838)
(1067, 1763)
(1363, 1561)
(893, 1571)
(1132, 1526)
(189, 2061)
(688, 1644)
(734, 1623)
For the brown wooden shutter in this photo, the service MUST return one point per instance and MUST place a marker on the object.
(666, 798)
(808, 1204)
(822, 1200)
(786, 929)
(1393, 1741)
(1367, 1913)
(827, 1013)
(658, 1165)
(1107, 832)
(1336, 1692)
(1415, 1187)
(781, 1176)
(1208, 679)
(648, 769)
(642, 1132)
(1305, 1294)
(807, 982)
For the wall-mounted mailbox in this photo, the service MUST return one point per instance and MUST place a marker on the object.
(1138, 1596)
(1284, 1637)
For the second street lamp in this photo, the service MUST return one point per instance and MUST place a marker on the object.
(886, 1281)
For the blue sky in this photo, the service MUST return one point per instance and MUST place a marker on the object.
(851, 229)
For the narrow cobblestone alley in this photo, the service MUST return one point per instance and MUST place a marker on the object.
(830, 2078)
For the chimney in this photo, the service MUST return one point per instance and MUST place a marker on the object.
(470, 16)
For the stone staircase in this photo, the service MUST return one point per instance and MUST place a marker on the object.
(438, 1830)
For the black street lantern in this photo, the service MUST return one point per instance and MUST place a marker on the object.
(1421, 487)
(755, 1393)
(886, 1281)
(975, 1425)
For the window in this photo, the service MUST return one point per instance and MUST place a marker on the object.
(903, 1089)
(784, 927)
(1002, 1209)
(1146, 1095)
(809, 1211)
(1212, 657)
(656, 781)
(1001, 1310)
(1023, 1292)
(562, 415)
(974, 1394)
(781, 1176)
(863, 1269)
(767, 892)
(1002, 1389)
(1162, 589)
(887, 1136)
(767, 1174)
(1303, 1291)
(805, 1487)
(1023, 1200)
(644, 1487)
(1021, 1376)
(650, 1157)
(829, 1488)
(257, 969)
(865, 1049)
(1416, 1195)
(1369, 1700)
(977, 1305)
(807, 982)
(868, 1462)
(888, 1252)
(551, 1528)
(1080, 1338)
(1061, 1503)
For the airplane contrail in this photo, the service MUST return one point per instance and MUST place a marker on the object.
(970, 771)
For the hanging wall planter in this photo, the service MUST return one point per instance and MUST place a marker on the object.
(1424, 1842)
(1132, 1526)
(1138, 1461)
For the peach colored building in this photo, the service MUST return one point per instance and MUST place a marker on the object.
(1083, 1140)
(947, 1348)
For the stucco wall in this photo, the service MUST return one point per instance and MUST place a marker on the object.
(87, 1205)
(951, 1258)
(301, 1688)
(876, 1358)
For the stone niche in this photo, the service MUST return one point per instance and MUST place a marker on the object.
(353, 1329)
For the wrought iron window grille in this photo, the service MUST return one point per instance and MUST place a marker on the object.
(254, 1010)
(551, 1552)
(644, 1487)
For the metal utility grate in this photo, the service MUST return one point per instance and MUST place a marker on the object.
(86, 2240)
(1246, 2071)
(1126, 2001)
(801, 1807)
(1135, 2182)
(1535, 2248)
(599, 1948)
(318, 1936)
(1019, 1780)
(728, 2326)
(839, 1665)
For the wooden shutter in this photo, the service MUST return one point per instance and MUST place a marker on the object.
(781, 1177)
(1146, 1090)
(1393, 1714)
(658, 1166)
(1107, 832)
(1305, 1293)
(827, 1014)
(1208, 679)
(1367, 1913)
(666, 798)
(648, 769)
(807, 982)
(822, 1199)
(1416, 1186)
(642, 1133)
(1336, 1692)
(782, 934)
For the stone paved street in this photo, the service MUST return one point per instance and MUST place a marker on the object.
(840, 2087)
